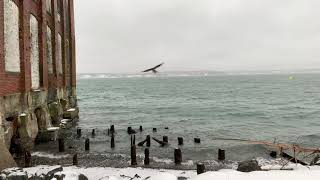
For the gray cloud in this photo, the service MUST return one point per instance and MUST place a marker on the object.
(126, 36)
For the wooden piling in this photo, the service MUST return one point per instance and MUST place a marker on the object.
(134, 140)
(197, 140)
(129, 130)
(146, 157)
(112, 141)
(180, 141)
(112, 129)
(221, 155)
(142, 142)
(87, 144)
(177, 156)
(160, 142)
(133, 156)
(61, 144)
(200, 168)
(154, 129)
(140, 129)
(93, 133)
(78, 132)
(292, 159)
(148, 141)
(165, 139)
(27, 159)
(75, 160)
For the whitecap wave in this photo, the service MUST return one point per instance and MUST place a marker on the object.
(140, 75)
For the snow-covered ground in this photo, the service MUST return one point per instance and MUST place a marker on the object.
(270, 171)
(299, 172)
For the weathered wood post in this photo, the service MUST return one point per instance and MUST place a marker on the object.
(165, 139)
(129, 130)
(78, 132)
(112, 129)
(200, 168)
(146, 156)
(221, 155)
(75, 159)
(27, 159)
(160, 142)
(61, 144)
(180, 141)
(93, 133)
(148, 141)
(142, 142)
(154, 129)
(177, 156)
(140, 129)
(133, 155)
(87, 144)
(197, 140)
(134, 140)
(112, 141)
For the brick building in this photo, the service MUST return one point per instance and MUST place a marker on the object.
(37, 68)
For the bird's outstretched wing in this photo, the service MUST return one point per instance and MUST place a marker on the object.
(154, 68)
(158, 66)
(148, 70)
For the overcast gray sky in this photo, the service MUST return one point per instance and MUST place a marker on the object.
(116, 36)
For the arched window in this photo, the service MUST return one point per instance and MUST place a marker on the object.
(48, 6)
(59, 55)
(34, 52)
(49, 50)
(11, 36)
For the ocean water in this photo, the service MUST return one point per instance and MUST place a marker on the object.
(211, 107)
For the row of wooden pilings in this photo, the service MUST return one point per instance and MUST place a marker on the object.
(164, 142)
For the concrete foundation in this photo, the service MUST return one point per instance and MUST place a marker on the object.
(25, 117)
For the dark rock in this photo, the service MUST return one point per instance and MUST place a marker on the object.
(52, 171)
(182, 178)
(59, 176)
(82, 177)
(14, 174)
(248, 166)
(17, 177)
(46, 172)
(273, 154)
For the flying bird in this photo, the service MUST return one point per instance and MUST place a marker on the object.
(154, 69)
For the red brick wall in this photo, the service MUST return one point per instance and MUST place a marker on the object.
(9, 82)
(18, 82)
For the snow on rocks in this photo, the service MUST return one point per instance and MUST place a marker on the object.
(298, 172)
(249, 166)
(45, 172)
(13, 174)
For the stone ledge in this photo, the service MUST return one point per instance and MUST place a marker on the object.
(71, 113)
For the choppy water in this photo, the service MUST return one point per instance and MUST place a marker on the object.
(261, 107)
